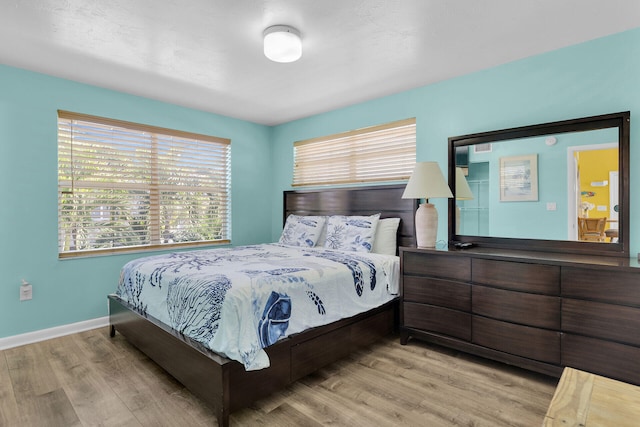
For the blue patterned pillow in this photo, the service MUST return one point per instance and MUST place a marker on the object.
(351, 233)
(302, 230)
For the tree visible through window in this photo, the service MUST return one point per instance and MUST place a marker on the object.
(123, 185)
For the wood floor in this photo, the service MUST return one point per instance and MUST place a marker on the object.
(89, 379)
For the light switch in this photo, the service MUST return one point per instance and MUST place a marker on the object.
(602, 208)
(551, 206)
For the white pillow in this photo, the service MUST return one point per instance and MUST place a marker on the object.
(302, 230)
(351, 233)
(385, 241)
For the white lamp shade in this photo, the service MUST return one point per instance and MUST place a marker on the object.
(426, 182)
(282, 43)
(463, 191)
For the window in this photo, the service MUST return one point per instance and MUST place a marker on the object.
(380, 153)
(124, 186)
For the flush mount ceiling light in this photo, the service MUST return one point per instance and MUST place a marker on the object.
(282, 43)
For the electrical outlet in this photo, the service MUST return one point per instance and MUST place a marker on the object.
(26, 291)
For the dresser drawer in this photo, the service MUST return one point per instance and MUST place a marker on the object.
(528, 309)
(437, 319)
(525, 341)
(603, 285)
(434, 265)
(599, 320)
(440, 292)
(613, 360)
(536, 278)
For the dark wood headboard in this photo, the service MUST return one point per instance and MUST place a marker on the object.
(384, 199)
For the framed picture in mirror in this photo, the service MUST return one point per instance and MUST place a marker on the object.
(519, 178)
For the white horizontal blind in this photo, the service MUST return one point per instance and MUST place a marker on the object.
(125, 185)
(380, 153)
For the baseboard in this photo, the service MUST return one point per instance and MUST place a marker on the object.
(58, 331)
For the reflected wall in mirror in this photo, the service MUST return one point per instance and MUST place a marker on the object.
(560, 186)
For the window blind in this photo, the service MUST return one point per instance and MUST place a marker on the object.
(125, 185)
(379, 153)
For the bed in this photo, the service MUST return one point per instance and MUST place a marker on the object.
(225, 384)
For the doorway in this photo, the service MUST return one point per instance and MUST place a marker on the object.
(574, 190)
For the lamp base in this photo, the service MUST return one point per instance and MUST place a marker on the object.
(426, 225)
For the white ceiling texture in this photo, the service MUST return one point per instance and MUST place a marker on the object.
(207, 54)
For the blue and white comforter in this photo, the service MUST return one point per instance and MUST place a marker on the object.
(239, 300)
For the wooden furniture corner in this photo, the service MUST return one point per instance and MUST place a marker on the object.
(588, 400)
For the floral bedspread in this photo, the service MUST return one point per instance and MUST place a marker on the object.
(237, 301)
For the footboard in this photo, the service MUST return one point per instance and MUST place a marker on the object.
(223, 384)
(197, 368)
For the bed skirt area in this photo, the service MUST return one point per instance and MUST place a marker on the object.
(224, 384)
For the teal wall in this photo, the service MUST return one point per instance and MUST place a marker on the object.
(597, 77)
(73, 290)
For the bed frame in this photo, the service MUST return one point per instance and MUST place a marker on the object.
(224, 384)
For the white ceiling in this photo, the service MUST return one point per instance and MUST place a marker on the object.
(207, 54)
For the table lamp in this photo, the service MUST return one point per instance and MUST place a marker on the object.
(426, 182)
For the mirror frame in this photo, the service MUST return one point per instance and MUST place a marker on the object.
(616, 120)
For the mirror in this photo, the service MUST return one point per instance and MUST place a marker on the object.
(560, 187)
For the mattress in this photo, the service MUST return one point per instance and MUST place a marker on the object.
(238, 301)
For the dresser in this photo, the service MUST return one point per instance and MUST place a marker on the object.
(536, 310)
